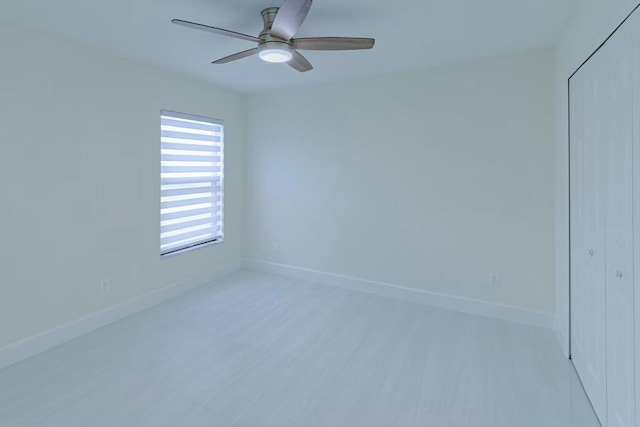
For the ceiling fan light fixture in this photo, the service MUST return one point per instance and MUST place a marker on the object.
(275, 52)
(275, 55)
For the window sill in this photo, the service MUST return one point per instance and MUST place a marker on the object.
(193, 248)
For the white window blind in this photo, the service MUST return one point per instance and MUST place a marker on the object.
(191, 181)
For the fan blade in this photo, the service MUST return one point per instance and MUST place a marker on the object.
(236, 56)
(333, 43)
(289, 18)
(300, 63)
(215, 30)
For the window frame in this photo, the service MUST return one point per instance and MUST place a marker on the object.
(208, 242)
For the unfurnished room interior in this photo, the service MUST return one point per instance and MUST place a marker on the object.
(320, 213)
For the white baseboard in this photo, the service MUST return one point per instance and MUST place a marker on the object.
(32, 346)
(449, 302)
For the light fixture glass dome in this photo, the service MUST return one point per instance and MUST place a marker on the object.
(276, 55)
(275, 51)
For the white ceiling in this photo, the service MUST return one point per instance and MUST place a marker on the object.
(410, 33)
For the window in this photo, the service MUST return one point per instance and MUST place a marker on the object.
(191, 182)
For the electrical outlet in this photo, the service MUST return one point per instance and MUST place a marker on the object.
(276, 247)
(494, 280)
(105, 286)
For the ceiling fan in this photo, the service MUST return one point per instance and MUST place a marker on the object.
(276, 42)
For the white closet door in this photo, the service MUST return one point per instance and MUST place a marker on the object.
(617, 114)
(588, 339)
(634, 21)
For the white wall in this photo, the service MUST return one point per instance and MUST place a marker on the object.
(424, 204)
(429, 180)
(592, 23)
(79, 171)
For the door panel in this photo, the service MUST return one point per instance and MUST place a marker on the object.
(617, 113)
(588, 349)
(634, 22)
(602, 225)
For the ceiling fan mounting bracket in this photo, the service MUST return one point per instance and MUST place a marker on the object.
(268, 16)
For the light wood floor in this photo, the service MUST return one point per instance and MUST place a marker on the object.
(259, 349)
